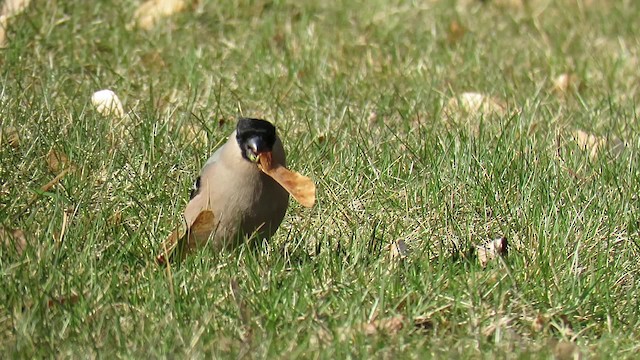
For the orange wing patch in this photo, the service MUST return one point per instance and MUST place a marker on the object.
(184, 241)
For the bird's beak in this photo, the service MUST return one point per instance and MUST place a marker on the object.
(257, 147)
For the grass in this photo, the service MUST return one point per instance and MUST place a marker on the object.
(358, 91)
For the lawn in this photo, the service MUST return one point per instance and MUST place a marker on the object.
(431, 125)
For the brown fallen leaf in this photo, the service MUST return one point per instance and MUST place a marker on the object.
(596, 144)
(115, 219)
(472, 104)
(10, 8)
(4, 23)
(13, 7)
(299, 186)
(148, 14)
(387, 326)
(589, 142)
(57, 161)
(153, 60)
(539, 323)
(456, 32)
(373, 118)
(566, 82)
(565, 350)
(10, 134)
(491, 250)
(320, 338)
(63, 300)
(185, 241)
(471, 110)
(13, 238)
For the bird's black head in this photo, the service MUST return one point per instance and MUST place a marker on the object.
(255, 136)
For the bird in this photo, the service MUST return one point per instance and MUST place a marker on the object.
(233, 198)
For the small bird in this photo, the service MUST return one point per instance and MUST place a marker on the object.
(234, 198)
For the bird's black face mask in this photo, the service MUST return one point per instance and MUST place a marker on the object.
(255, 136)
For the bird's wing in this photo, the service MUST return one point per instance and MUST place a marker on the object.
(195, 190)
(181, 240)
(193, 215)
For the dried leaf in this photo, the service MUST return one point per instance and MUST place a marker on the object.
(469, 110)
(472, 104)
(4, 23)
(115, 219)
(13, 238)
(373, 118)
(148, 14)
(58, 161)
(299, 186)
(566, 82)
(456, 32)
(538, 324)
(10, 136)
(10, 8)
(320, 338)
(565, 350)
(387, 326)
(63, 300)
(14, 7)
(107, 103)
(491, 250)
(153, 60)
(595, 144)
(589, 142)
